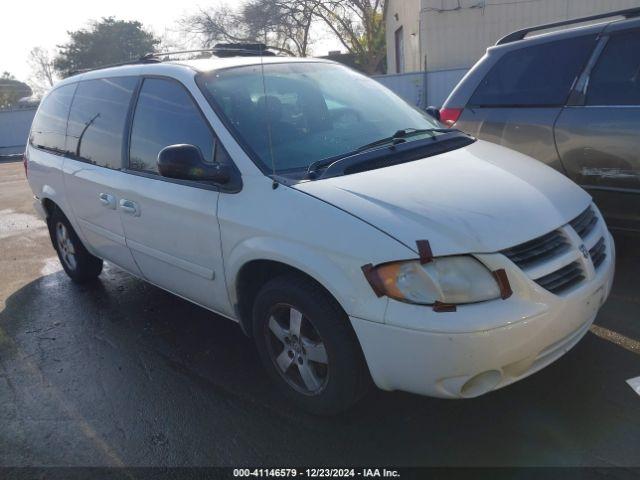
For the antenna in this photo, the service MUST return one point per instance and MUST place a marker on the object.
(266, 107)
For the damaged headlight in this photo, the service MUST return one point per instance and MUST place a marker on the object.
(448, 280)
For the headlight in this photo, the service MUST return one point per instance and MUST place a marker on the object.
(448, 280)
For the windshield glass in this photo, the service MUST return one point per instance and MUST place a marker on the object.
(315, 111)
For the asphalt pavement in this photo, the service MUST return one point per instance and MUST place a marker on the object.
(121, 373)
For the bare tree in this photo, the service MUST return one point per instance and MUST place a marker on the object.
(359, 26)
(285, 25)
(282, 25)
(42, 72)
(289, 22)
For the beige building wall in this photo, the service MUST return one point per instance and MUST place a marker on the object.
(456, 33)
(405, 14)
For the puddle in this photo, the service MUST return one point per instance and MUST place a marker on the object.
(12, 223)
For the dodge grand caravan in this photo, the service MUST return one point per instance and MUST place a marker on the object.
(352, 236)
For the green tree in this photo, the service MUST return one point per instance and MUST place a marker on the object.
(105, 42)
(12, 90)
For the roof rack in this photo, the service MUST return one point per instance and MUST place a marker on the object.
(221, 50)
(521, 34)
(218, 50)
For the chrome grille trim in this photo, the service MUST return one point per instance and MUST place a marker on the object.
(598, 253)
(563, 279)
(565, 257)
(584, 223)
(538, 250)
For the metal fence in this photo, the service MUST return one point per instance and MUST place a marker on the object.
(14, 130)
(423, 89)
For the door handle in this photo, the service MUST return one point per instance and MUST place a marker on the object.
(129, 207)
(107, 200)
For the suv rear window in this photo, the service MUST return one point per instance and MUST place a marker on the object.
(50, 124)
(538, 76)
(97, 120)
(615, 80)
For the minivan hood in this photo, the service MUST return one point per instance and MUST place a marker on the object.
(482, 198)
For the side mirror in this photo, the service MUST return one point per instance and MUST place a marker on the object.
(185, 162)
(434, 112)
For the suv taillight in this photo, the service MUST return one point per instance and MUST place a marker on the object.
(25, 162)
(449, 116)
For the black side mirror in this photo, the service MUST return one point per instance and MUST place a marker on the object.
(434, 112)
(185, 162)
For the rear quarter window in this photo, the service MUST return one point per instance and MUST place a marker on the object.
(50, 124)
(537, 76)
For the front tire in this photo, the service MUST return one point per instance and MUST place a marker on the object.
(78, 263)
(307, 345)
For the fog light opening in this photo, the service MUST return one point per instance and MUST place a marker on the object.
(480, 384)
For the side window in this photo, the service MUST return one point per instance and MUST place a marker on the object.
(97, 120)
(615, 80)
(166, 115)
(49, 126)
(538, 76)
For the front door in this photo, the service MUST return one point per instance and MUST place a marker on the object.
(598, 140)
(171, 226)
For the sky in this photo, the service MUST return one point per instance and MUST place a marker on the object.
(29, 23)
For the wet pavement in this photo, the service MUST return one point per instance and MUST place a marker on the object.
(123, 373)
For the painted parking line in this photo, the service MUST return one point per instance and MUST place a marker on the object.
(625, 342)
(635, 384)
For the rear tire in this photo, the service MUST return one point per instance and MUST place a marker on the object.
(307, 345)
(78, 263)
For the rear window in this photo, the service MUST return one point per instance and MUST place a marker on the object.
(97, 120)
(538, 76)
(615, 80)
(50, 124)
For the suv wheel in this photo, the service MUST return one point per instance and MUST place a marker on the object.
(79, 264)
(307, 345)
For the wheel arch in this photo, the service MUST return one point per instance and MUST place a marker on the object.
(254, 274)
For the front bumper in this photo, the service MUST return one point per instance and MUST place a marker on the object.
(442, 355)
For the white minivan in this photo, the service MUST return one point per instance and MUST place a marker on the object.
(352, 236)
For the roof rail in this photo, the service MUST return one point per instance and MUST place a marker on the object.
(219, 50)
(521, 34)
(144, 59)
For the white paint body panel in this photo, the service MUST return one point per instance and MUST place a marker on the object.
(175, 238)
(482, 198)
(476, 200)
(100, 224)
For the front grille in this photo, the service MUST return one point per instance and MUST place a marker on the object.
(556, 261)
(584, 223)
(563, 279)
(537, 250)
(598, 253)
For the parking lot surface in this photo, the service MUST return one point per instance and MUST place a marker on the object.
(123, 373)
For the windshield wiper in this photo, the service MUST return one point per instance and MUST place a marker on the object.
(399, 137)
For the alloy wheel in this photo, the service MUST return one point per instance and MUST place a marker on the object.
(297, 350)
(65, 246)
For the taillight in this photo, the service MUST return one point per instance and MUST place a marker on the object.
(449, 116)
(25, 162)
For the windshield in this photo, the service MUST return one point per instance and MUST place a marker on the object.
(306, 112)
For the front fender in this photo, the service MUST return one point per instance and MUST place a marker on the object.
(339, 274)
